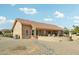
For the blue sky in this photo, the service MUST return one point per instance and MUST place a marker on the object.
(63, 15)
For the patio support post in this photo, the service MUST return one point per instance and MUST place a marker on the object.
(44, 32)
(35, 32)
(58, 33)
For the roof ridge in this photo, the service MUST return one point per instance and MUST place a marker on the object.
(38, 24)
(34, 21)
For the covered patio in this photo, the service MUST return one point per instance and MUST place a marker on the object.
(45, 32)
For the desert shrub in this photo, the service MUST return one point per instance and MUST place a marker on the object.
(8, 35)
(6, 32)
(70, 38)
(77, 34)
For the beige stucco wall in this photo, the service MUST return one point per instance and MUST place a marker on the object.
(24, 28)
(17, 30)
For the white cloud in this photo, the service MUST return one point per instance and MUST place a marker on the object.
(2, 19)
(48, 19)
(59, 14)
(76, 21)
(11, 21)
(76, 17)
(28, 10)
(76, 24)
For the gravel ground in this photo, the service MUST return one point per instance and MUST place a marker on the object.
(38, 47)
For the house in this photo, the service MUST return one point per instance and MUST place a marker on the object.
(25, 29)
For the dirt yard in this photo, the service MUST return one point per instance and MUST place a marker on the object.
(38, 47)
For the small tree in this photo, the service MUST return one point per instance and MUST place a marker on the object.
(75, 30)
(66, 31)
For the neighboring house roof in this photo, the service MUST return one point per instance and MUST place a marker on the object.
(37, 25)
(5, 30)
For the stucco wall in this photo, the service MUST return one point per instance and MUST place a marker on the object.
(24, 29)
(17, 30)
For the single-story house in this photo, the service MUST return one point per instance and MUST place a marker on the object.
(25, 29)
